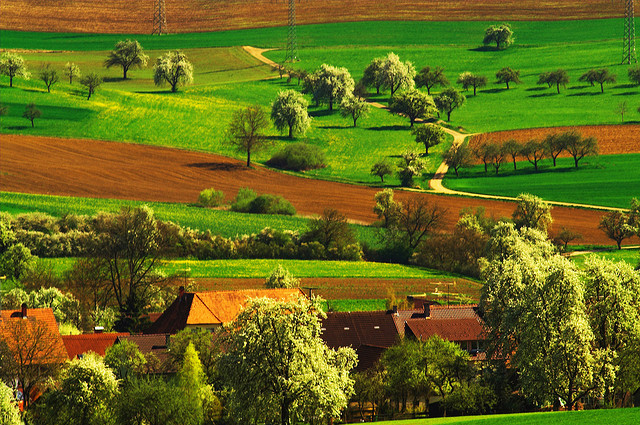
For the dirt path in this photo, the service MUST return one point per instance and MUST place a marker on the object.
(257, 53)
(99, 169)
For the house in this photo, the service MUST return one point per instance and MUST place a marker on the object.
(457, 323)
(369, 333)
(211, 309)
(154, 347)
(77, 345)
(32, 348)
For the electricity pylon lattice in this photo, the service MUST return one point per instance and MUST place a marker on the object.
(629, 38)
(291, 54)
(159, 19)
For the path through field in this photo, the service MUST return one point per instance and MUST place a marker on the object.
(99, 169)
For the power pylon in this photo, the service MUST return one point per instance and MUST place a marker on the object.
(159, 19)
(629, 37)
(291, 53)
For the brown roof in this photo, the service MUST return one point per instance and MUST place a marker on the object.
(37, 331)
(368, 332)
(97, 343)
(211, 308)
(453, 311)
(155, 344)
(468, 329)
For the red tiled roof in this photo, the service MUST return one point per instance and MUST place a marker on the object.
(212, 308)
(156, 344)
(468, 329)
(17, 331)
(97, 343)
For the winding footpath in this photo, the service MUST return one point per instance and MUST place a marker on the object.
(435, 184)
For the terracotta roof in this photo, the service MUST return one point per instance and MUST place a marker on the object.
(403, 315)
(21, 332)
(468, 329)
(453, 311)
(97, 343)
(211, 308)
(368, 332)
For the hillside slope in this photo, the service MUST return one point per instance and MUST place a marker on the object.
(135, 16)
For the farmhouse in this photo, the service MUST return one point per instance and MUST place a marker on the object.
(211, 309)
(78, 345)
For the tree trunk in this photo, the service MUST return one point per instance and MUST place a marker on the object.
(124, 72)
(426, 149)
(32, 123)
(290, 131)
(377, 89)
(575, 160)
(354, 121)
(514, 164)
(10, 80)
(248, 157)
(474, 90)
(330, 104)
(284, 413)
(601, 87)
(448, 115)
(507, 85)
(558, 87)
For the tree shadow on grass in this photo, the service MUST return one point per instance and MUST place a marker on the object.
(627, 93)
(493, 91)
(18, 127)
(544, 94)
(626, 86)
(335, 127)
(537, 88)
(217, 166)
(388, 127)
(321, 113)
(485, 49)
(586, 94)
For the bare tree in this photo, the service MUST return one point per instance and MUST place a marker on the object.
(246, 130)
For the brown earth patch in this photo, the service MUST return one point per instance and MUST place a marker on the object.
(354, 288)
(127, 16)
(612, 139)
(99, 169)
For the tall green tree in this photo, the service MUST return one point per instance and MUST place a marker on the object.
(91, 81)
(501, 34)
(12, 65)
(600, 76)
(579, 147)
(634, 75)
(71, 70)
(397, 74)
(9, 412)
(617, 226)
(279, 369)
(448, 100)
(387, 208)
(429, 135)
(333, 84)
(468, 79)
(458, 156)
(413, 104)
(534, 150)
(508, 75)
(31, 112)
(554, 145)
(127, 54)
(125, 360)
(281, 278)
(173, 68)
(373, 76)
(532, 212)
(513, 148)
(354, 108)
(86, 393)
(246, 130)
(289, 111)
(430, 77)
(558, 78)
(534, 310)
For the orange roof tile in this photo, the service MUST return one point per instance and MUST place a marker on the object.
(97, 343)
(37, 331)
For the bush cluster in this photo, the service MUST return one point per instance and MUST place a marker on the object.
(298, 157)
(211, 198)
(248, 201)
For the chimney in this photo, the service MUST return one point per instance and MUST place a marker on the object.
(98, 329)
(395, 309)
(167, 340)
(24, 310)
(180, 292)
(427, 309)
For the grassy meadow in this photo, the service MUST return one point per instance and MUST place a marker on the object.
(630, 256)
(609, 180)
(224, 223)
(227, 78)
(584, 417)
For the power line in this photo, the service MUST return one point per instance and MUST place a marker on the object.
(159, 19)
(629, 37)
(291, 53)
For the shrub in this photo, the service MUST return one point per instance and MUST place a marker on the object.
(298, 157)
(211, 198)
(243, 199)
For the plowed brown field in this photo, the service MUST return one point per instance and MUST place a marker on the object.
(135, 16)
(356, 288)
(612, 139)
(99, 169)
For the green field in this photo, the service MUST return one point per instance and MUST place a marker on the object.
(227, 78)
(630, 256)
(584, 417)
(609, 180)
(225, 223)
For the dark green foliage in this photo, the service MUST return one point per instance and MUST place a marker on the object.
(247, 201)
(507, 75)
(298, 157)
(501, 34)
(31, 112)
(634, 75)
(430, 77)
(332, 231)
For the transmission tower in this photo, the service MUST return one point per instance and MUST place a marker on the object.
(159, 19)
(291, 53)
(629, 37)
